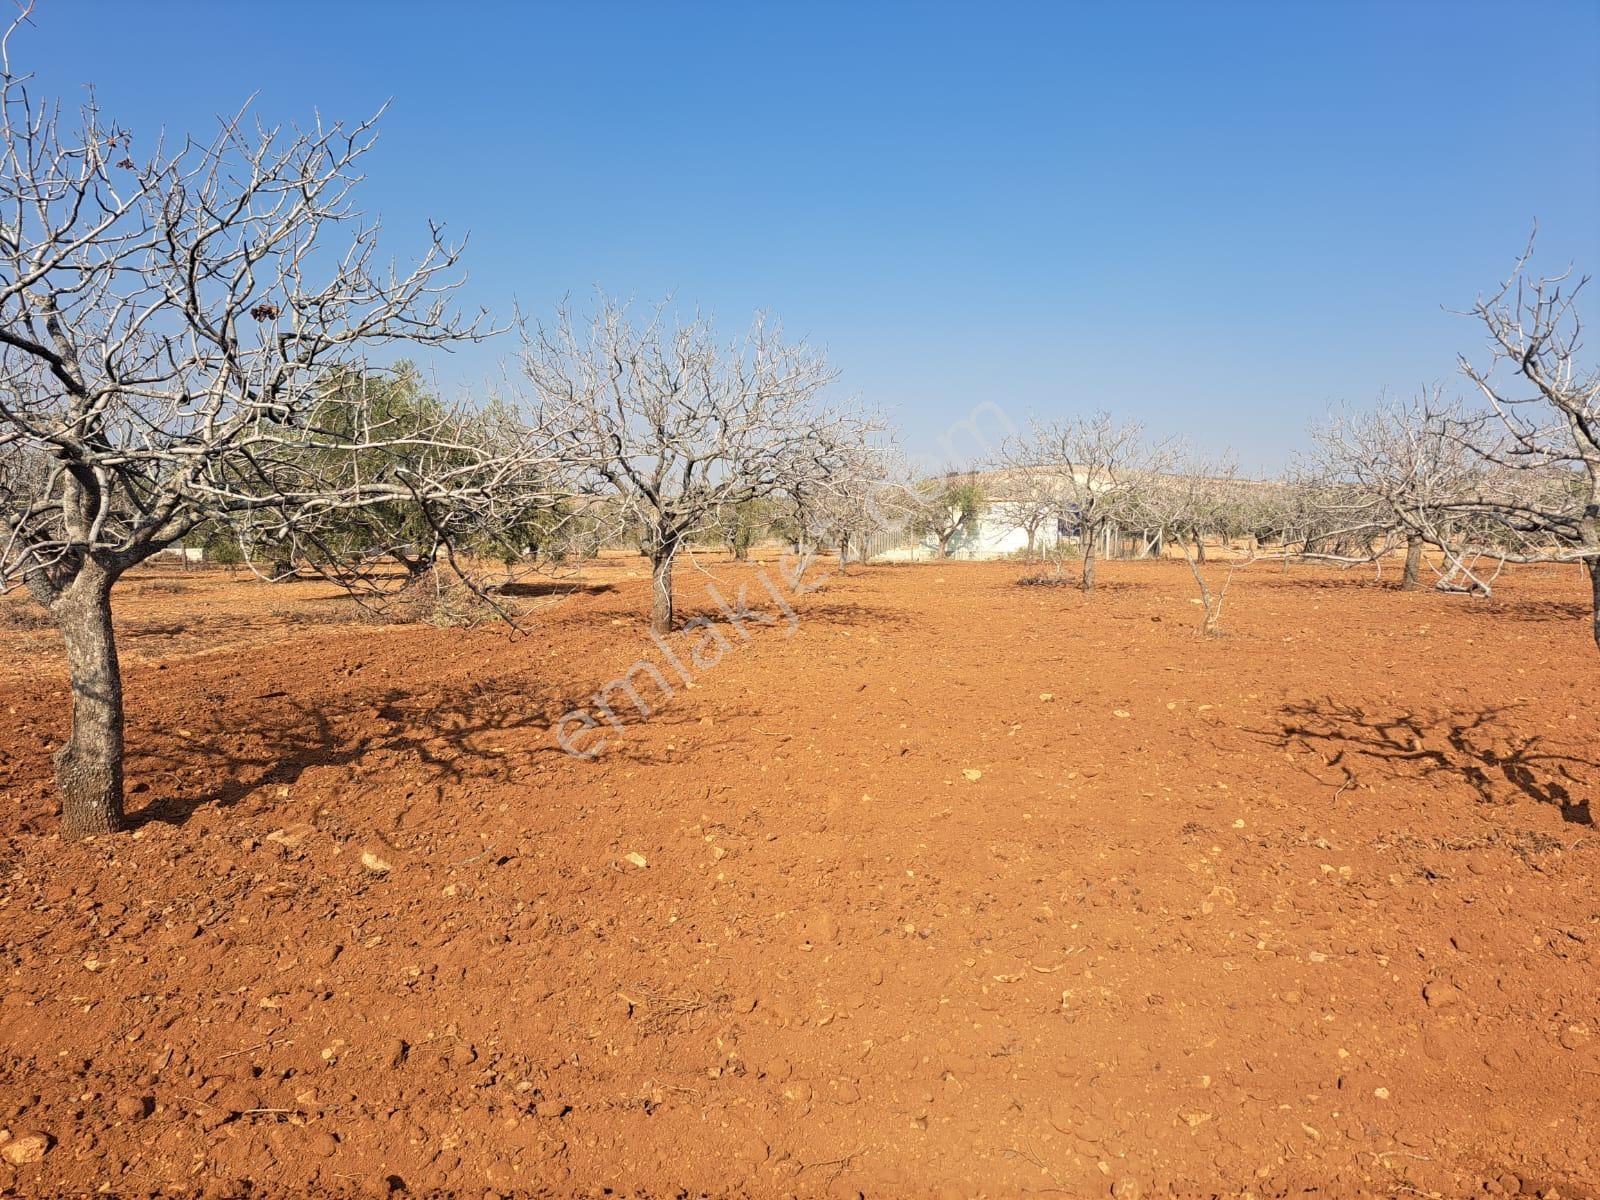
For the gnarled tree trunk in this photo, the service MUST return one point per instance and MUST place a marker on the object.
(661, 556)
(1411, 579)
(1086, 579)
(1594, 583)
(89, 766)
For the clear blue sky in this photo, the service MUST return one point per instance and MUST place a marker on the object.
(1218, 218)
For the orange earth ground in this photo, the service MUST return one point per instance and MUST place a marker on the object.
(957, 888)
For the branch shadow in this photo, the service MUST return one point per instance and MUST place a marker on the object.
(277, 739)
(1533, 611)
(1477, 749)
(482, 735)
(553, 587)
(1070, 583)
(1327, 583)
(757, 616)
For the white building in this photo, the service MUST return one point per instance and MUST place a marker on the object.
(1002, 528)
(1000, 532)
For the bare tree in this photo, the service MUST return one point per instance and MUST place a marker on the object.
(683, 428)
(1385, 475)
(1302, 511)
(871, 495)
(1029, 498)
(1539, 497)
(1186, 504)
(1517, 480)
(166, 327)
(1094, 466)
(1512, 480)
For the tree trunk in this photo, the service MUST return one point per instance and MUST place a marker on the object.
(1199, 548)
(1594, 582)
(1086, 579)
(89, 766)
(661, 587)
(1209, 605)
(1410, 581)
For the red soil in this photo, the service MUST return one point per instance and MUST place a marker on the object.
(1308, 909)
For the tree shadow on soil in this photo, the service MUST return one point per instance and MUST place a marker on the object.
(488, 734)
(1533, 611)
(1048, 582)
(553, 587)
(756, 615)
(1327, 583)
(1479, 749)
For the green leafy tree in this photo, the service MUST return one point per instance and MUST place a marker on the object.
(945, 508)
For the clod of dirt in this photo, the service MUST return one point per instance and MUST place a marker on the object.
(27, 1148)
(551, 1109)
(1575, 1037)
(394, 1053)
(236, 1099)
(135, 1108)
(291, 837)
(378, 857)
(323, 1145)
(1439, 994)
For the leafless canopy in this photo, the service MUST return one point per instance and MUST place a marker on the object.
(1515, 478)
(1092, 466)
(870, 493)
(1386, 477)
(680, 427)
(1191, 500)
(167, 325)
(171, 317)
(1539, 441)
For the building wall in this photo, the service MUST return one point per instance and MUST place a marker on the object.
(998, 535)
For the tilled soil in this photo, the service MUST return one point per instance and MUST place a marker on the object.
(938, 886)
